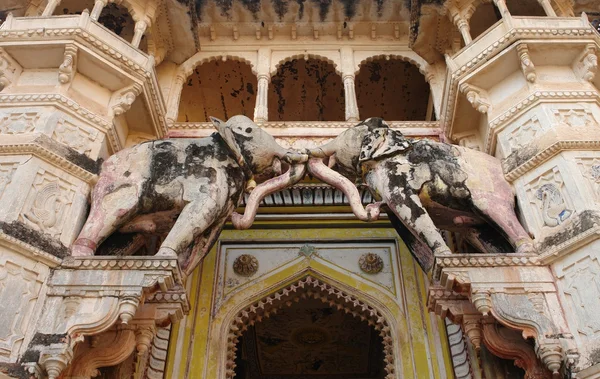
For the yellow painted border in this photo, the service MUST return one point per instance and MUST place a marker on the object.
(198, 343)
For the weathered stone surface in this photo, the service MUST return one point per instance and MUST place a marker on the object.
(427, 185)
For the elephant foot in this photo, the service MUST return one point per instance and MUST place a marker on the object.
(444, 250)
(166, 252)
(525, 247)
(83, 247)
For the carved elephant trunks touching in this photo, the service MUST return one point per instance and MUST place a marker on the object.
(185, 188)
(426, 185)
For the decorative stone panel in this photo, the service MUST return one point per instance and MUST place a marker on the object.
(549, 201)
(269, 258)
(22, 292)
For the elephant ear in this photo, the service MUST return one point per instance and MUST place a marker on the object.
(227, 134)
(381, 143)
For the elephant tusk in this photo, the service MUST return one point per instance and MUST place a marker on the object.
(317, 168)
(290, 177)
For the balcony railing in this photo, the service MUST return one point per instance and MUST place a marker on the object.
(81, 26)
(506, 31)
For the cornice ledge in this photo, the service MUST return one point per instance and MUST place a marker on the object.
(29, 250)
(50, 157)
(563, 249)
(548, 153)
(308, 124)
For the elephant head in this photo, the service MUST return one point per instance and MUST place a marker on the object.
(255, 149)
(260, 155)
(369, 140)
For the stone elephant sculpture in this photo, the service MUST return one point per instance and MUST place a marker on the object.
(427, 185)
(186, 188)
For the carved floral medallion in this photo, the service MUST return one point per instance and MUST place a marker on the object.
(370, 263)
(245, 265)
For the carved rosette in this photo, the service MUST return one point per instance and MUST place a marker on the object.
(245, 265)
(370, 263)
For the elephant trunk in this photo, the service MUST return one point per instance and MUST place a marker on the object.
(323, 151)
(290, 177)
(317, 168)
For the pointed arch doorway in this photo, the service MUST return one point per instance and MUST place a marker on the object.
(311, 331)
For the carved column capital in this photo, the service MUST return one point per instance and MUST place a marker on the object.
(476, 96)
(55, 360)
(482, 301)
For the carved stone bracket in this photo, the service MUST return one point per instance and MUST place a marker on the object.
(476, 96)
(9, 69)
(509, 344)
(125, 98)
(526, 64)
(88, 296)
(514, 289)
(67, 69)
(586, 65)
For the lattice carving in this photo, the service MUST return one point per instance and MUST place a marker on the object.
(18, 122)
(48, 204)
(309, 288)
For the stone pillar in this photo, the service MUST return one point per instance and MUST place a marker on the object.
(261, 110)
(97, 10)
(175, 96)
(462, 23)
(139, 30)
(547, 8)
(506, 16)
(348, 69)
(50, 7)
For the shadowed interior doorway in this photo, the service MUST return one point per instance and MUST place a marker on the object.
(310, 339)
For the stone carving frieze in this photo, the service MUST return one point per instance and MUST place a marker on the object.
(6, 173)
(575, 118)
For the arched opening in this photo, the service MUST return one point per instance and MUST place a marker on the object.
(530, 8)
(219, 89)
(310, 329)
(310, 338)
(483, 18)
(392, 89)
(306, 90)
(114, 17)
(487, 14)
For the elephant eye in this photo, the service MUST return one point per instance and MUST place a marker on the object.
(248, 130)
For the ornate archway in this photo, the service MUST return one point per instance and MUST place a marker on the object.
(309, 288)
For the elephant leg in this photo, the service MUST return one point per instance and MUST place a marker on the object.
(202, 246)
(109, 211)
(503, 215)
(194, 219)
(406, 205)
